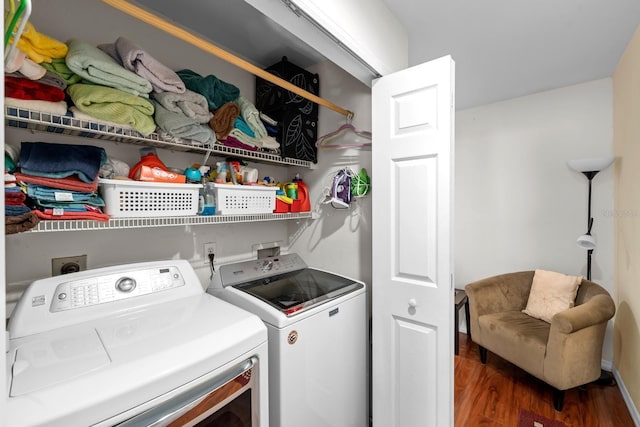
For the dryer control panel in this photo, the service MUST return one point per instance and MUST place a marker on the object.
(113, 287)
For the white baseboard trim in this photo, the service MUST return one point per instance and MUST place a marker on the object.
(627, 398)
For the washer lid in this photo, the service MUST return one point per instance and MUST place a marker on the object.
(294, 292)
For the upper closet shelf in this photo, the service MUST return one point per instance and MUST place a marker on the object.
(122, 223)
(48, 122)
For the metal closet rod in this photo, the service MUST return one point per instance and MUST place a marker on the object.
(167, 27)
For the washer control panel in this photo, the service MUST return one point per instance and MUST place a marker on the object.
(246, 271)
(113, 287)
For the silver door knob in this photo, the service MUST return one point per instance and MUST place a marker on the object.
(413, 303)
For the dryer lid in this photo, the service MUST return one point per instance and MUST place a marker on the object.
(294, 292)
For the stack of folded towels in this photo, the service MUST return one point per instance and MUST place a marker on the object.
(18, 217)
(61, 180)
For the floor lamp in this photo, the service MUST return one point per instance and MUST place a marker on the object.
(590, 168)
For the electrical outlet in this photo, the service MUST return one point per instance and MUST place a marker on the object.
(209, 248)
(69, 264)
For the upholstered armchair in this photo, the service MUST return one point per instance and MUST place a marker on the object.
(564, 353)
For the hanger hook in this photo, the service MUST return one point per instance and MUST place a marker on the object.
(350, 115)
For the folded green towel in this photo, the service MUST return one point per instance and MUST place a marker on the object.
(96, 66)
(105, 103)
(59, 67)
(177, 124)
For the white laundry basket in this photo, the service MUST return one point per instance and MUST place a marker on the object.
(245, 199)
(136, 199)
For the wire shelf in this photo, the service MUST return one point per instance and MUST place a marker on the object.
(121, 223)
(54, 123)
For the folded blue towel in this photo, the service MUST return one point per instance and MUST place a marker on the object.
(52, 196)
(13, 210)
(61, 160)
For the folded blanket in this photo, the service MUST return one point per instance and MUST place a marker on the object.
(61, 160)
(134, 58)
(96, 66)
(54, 195)
(59, 67)
(223, 119)
(51, 214)
(14, 196)
(39, 47)
(72, 182)
(114, 105)
(19, 223)
(182, 126)
(251, 116)
(59, 107)
(189, 103)
(216, 91)
(22, 88)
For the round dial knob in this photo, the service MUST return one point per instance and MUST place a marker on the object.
(125, 284)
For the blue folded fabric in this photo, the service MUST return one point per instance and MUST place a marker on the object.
(44, 194)
(15, 210)
(216, 91)
(61, 160)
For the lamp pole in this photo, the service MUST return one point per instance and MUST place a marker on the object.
(590, 175)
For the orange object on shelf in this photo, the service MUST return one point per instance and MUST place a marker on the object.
(154, 174)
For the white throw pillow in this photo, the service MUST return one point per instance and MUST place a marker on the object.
(551, 293)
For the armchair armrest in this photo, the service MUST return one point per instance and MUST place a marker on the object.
(600, 308)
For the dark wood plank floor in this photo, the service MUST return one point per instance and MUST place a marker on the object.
(492, 395)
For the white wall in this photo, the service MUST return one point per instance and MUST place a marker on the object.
(338, 240)
(518, 205)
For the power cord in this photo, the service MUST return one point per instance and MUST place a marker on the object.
(211, 267)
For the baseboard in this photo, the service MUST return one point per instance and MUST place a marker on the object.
(627, 398)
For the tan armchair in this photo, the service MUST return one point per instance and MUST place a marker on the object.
(566, 353)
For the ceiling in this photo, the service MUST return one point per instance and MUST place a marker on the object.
(502, 48)
(509, 48)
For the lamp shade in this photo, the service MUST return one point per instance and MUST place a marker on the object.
(586, 241)
(595, 164)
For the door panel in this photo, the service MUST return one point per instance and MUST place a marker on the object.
(412, 295)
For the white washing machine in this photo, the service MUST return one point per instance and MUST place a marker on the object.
(317, 326)
(139, 344)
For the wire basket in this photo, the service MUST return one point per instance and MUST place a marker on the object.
(244, 199)
(136, 199)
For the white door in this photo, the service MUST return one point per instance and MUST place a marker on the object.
(412, 295)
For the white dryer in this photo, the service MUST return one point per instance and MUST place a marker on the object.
(317, 326)
(138, 344)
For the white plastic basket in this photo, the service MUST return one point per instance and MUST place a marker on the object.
(136, 199)
(244, 199)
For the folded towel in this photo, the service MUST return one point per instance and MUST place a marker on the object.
(56, 214)
(216, 91)
(134, 58)
(251, 116)
(240, 124)
(19, 223)
(62, 160)
(96, 66)
(189, 103)
(55, 195)
(59, 107)
(59, 67)
(114, 105)
(10, 210)
(72, 182)
(183, 127)
(230, 141)
(223, 119)
(22, 88)
(77, 114)
(19, 63)
(39, 47)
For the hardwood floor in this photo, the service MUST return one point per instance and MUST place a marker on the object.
(492, 395)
